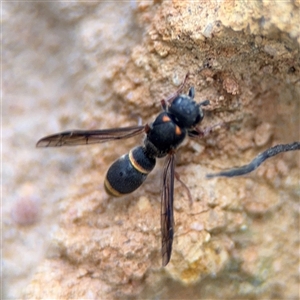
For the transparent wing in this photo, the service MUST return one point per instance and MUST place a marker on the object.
(167, 217)
(87, 137)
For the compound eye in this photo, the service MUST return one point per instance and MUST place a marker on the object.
(199, 118)
(192, 92)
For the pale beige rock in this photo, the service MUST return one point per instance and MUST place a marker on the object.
(98, 65)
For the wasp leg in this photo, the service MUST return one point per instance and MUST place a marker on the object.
(168, 101)
(177, 176)
(200, 133)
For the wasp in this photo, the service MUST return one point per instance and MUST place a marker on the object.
(179, 117)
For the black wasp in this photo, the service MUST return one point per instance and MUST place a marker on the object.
(179, 118)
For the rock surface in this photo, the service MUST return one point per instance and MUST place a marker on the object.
(90, 65)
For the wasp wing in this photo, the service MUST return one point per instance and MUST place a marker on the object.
(167, 217)
(87, 137)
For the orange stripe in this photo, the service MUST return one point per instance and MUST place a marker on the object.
(166, 119)
(110, 190)
(177, 130)
(136, 165)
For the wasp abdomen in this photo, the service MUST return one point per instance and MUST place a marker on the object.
(128, 172)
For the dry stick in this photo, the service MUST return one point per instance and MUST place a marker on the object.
(257, 161)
